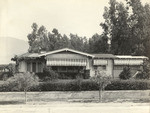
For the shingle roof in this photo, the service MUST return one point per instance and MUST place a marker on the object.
(29, 55)
(104, 56)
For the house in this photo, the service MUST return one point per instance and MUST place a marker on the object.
(71, 62)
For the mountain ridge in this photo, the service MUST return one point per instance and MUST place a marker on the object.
(10, 46)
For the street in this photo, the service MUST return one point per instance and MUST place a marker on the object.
(65, 107)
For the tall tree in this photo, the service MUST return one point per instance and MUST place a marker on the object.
(116, 27)
(141, 28)
(38, 40)
(98, 44)
(128, 27)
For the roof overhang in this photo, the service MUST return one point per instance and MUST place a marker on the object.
(66, 49)
(131, 57)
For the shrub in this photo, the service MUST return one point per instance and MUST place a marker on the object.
(102, 79)
(48, 74)
(139, 75)
(145, 74)
(128, 85)
(125, 74)
(85, 85)
(22, 82)
(5, 75)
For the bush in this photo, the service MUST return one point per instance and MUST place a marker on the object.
(5, 75)
(125, 74)
(139, 75)
(22, 82)
(47, 75)
(129, 85)
(86, 85)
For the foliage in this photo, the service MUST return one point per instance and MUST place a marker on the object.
(42, 40)
(50, 74)
(129, 85)
(98, 44)
(86, 85)
(125, 74)
(128, 27)
(102, 79)
(5, 75)
(145, 74)
(11, 69)
(22, 82)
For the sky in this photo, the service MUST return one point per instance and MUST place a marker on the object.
(82, 17)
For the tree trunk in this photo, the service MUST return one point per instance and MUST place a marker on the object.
(25, 96)
(100, 95)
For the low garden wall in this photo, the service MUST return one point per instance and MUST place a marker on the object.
(78, 96)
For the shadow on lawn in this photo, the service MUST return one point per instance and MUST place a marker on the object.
(11, 102)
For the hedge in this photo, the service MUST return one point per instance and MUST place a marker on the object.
(87, 85)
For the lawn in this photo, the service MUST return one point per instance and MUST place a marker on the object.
(72, 96)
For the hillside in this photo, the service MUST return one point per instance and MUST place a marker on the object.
(10, 47)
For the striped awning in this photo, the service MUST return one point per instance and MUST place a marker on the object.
(100, 62)
(128, 62)
(66, 62)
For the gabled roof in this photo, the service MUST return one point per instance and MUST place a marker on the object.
(66, 49)
(107, 56)
(104, 56)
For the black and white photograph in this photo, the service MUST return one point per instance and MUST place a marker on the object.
(74, 56)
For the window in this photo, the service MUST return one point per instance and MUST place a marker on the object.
(102, 67)
(40, 67)
(28, 66)
(33, 67)
(119, 67)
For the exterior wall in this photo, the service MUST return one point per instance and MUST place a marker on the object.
(116, 73)
(133, 70)
(90, 65)
(22, 66)
(69, 55)
(64, 55)
(91, 68)
(109, 67)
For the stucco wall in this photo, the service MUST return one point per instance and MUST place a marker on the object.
(92, 71)
(22, 66)
(109, 67)
(108, 70)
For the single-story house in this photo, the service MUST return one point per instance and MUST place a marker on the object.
(72, 62)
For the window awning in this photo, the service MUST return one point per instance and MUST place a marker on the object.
(128, 62)
(66, 62)
(100, 62)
